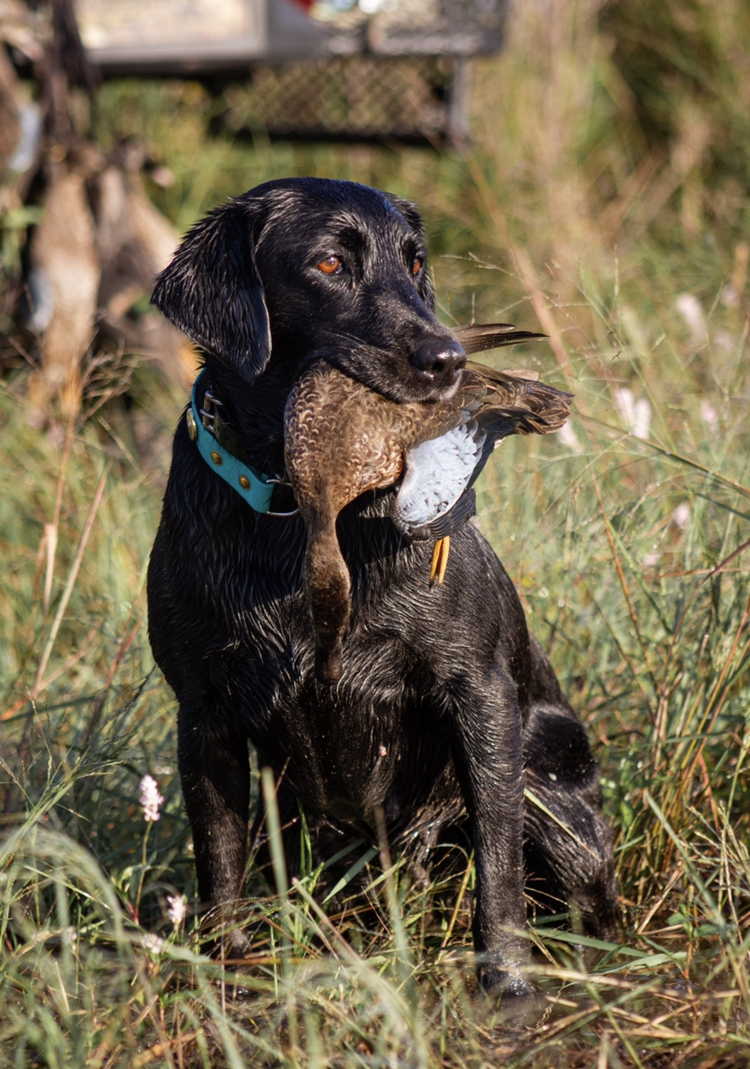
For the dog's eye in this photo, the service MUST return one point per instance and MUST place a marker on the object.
(330, 265)
(417, 265)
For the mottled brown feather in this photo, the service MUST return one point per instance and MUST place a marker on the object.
(478, 337)
(343, 439)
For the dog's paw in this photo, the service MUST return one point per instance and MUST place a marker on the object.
(506, 979)
(233, 944)
(223, 936)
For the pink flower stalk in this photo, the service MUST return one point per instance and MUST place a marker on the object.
(151, 799)
(153, 942)
(177, 909)
(636, 414)
(681, 515)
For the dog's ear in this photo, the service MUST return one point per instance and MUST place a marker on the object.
(212, 291)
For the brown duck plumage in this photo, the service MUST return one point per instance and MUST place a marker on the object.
(343, 439)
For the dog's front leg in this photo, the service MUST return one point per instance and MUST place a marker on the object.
(215, 774)
(489, 763)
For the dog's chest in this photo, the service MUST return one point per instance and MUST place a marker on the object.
(347, 750)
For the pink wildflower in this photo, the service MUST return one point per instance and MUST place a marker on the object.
(153, 942)
(177, 909)
(151, 799)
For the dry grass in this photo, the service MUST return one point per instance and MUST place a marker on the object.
(600, 200)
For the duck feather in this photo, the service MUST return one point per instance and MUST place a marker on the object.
(343, 439)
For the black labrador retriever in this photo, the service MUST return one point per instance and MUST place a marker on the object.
(446, 706)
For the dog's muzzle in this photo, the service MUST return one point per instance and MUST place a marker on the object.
(439, 361)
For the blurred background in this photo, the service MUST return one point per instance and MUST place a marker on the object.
(583, 168)
(557, 140)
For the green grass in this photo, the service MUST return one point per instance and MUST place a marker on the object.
(572, 209)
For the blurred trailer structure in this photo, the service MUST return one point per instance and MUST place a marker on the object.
(88, 240)
(349, 69)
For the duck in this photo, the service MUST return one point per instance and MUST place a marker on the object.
(343, 439)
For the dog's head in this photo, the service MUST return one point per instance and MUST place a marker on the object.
(310, 267)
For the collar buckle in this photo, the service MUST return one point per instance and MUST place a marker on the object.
(214, 439)
(208, 416)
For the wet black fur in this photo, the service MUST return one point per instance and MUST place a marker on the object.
(445, 698)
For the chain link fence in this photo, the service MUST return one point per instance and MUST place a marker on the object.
(350, 97)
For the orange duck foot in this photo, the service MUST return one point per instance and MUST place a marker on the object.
(439, 562)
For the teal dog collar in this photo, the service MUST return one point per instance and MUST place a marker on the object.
(253, 486)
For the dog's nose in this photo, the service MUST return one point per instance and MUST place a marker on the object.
(440, 359)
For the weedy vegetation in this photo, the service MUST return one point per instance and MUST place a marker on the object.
(604, 198)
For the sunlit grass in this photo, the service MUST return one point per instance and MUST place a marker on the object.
(629, 551)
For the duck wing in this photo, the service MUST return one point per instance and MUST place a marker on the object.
(436, 474)
(494, 397)
(433, 498)
(477, 337)
(509, 402)
(503, 402)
